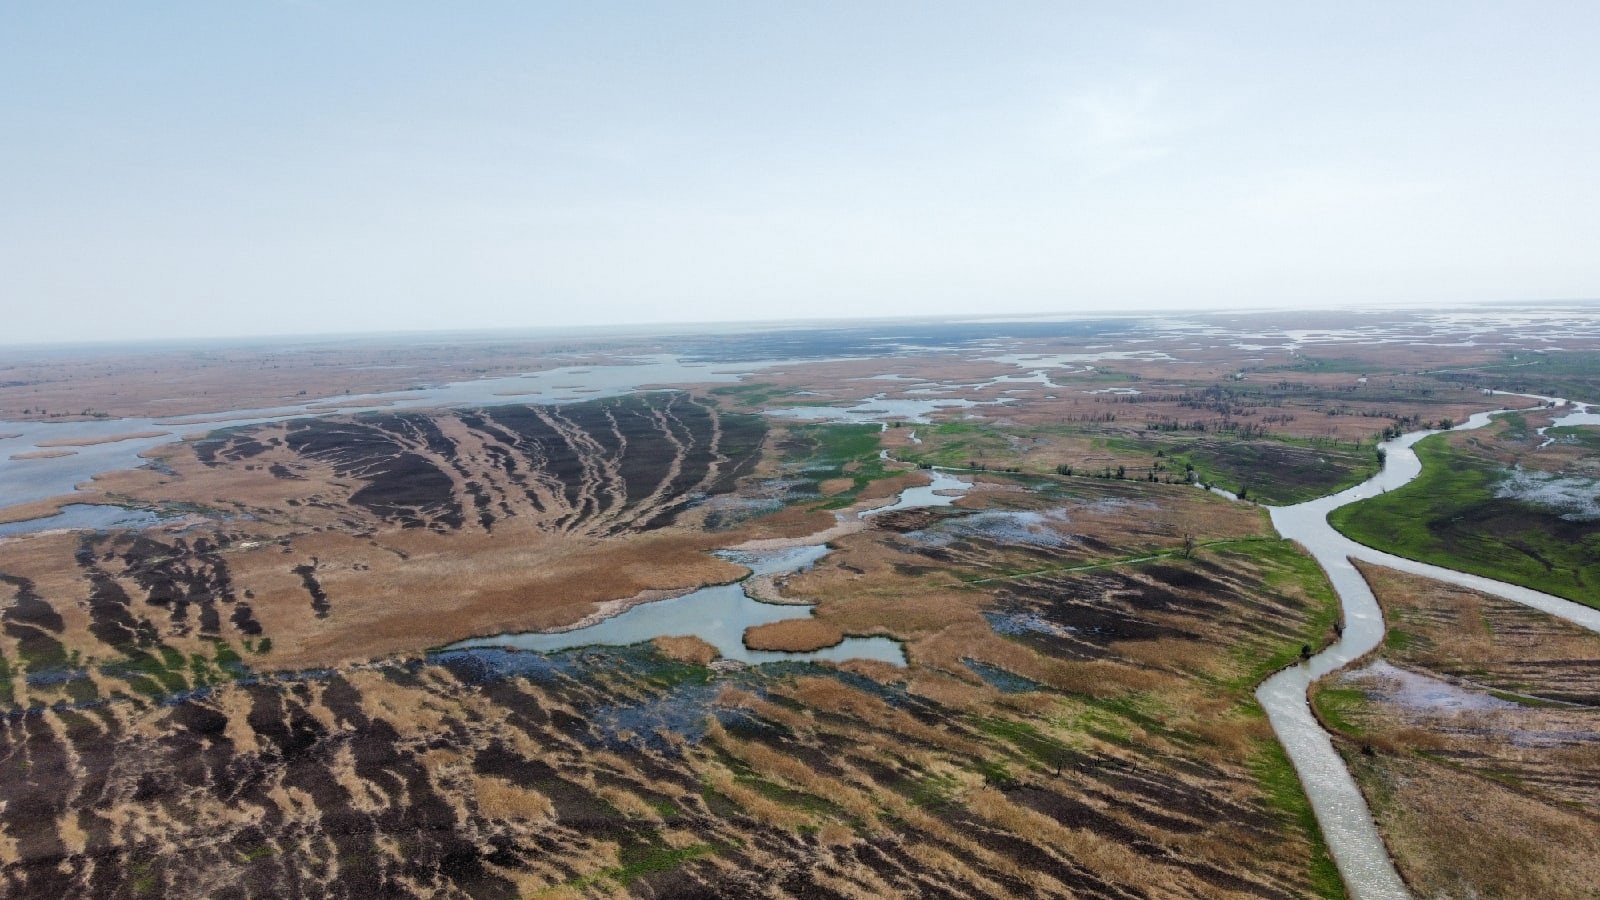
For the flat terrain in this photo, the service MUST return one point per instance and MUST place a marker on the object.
(1479, 728)
(1083, 730)
(1499, 501)
(250, 698)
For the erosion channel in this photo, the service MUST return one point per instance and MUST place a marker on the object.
(1341, 810)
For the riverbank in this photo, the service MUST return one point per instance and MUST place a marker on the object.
(1342, 810)
(1478, 507)
(1475, 725)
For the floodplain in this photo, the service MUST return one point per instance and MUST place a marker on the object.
(285, 673)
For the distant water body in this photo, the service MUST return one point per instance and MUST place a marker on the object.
(26, 480)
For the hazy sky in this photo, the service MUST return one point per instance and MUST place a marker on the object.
(192, 169)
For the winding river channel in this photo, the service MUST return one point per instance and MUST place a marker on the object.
(1346, 822)
(723, 612)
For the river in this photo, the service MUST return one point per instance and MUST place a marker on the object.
(722, 612)
(1346, 821)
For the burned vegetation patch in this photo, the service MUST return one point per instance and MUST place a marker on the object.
(1225, 605)
(599, 467)
(502, 774)
(1477, 725)
(500, 511)
(1276, 471)
(1080, 616)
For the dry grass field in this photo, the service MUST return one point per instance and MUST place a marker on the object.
(249, 700)
(793, 636)
(598, 772)
(1479, 729)
(1075, 719)
(341, 540)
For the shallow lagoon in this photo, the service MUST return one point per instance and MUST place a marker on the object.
(85, 517)
(26, 480)
(720, 614)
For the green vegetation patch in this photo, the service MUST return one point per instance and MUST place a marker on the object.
(1451, 517)
(1587, 437)
(638, 863)
(1342, 364)
(1515, 426)
(961, 445)
(749, 394)
(801, 800)
(1279, 782)
(1566, 374)
(1339, 708)
(1279, 472)
(1042, 749)
(1285, 569)
(823, 452)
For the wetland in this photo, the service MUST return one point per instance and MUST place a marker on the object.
(904, 610)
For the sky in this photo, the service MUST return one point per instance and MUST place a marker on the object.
(183, 170)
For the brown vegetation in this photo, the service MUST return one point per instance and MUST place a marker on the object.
(1076, 717)
(793, 636)
(686, 648)
(355, 533)
(103, 439)
(1101, 777)
(1507, 768)
(44, 454)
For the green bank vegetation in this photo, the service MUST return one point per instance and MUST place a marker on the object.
(1451, 517)
(824, 452)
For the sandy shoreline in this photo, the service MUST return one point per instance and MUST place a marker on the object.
(45, 454)
(108, 439)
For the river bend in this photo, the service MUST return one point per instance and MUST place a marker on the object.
(1341, 810)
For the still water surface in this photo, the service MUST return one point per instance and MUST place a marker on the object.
(720, 614)
(26, 480)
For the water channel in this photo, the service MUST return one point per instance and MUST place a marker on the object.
(719, 614)
(26, 474)
(1342, 812)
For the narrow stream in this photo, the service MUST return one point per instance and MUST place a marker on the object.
(720, 613)
(1346, 821)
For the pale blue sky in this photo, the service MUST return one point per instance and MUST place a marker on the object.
(179, 170)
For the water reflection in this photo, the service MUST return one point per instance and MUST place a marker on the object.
(720, 614)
